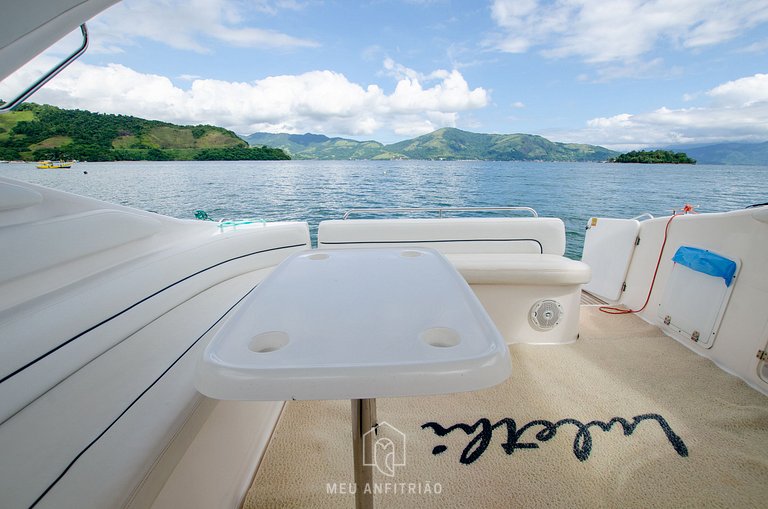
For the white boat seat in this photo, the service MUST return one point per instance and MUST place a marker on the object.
(521, 269)
(140, 392)
(512, 264)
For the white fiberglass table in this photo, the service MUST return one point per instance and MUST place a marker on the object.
(356, 324)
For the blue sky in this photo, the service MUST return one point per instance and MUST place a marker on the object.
(617, 73)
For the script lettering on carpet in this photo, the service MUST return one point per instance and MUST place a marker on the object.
(582, 442)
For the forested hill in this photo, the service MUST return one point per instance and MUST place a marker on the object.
(444, 144)
(653, 157)
(36, 132)
(451, 143)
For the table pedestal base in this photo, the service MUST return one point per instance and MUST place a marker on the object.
(363, 421)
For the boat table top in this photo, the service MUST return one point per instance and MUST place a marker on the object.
(354, 324)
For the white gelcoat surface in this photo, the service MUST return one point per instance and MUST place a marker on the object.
(360, 323)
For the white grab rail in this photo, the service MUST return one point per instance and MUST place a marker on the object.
(439, 210)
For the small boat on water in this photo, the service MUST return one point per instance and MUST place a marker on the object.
(52, 165)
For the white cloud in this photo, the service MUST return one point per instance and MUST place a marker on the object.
(189, 25)
(605, 31)
(736, 111)
(743, 92)
(316, 101)
(450, 95)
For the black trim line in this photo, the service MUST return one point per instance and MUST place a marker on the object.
(355, 242)
(62, 345)
(85, 449)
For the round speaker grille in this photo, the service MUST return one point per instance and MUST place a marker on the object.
(546, 314)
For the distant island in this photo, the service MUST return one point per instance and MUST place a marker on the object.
(653, 157)
(446, 144)
(35, 132)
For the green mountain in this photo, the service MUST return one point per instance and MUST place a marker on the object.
(36, 132)
(450, 143)
(318, 146)
(446, 144)
(730, 153)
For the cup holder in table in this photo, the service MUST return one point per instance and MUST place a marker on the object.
(267, 342)
(440, 337)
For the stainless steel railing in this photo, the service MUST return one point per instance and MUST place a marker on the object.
(439, 210)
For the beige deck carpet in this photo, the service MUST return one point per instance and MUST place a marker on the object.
(692, 435)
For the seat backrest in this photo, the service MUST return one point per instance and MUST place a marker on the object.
(535, 235)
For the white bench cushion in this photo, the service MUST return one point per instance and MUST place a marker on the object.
(495, 268)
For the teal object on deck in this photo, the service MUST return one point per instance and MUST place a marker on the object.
(707, 262)
(202, 215)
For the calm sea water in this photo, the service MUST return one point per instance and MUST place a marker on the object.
(316, 190)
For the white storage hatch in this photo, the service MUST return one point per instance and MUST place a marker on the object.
(697, 294)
